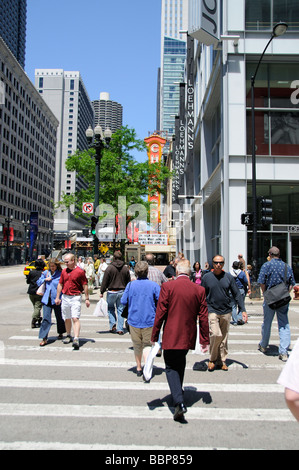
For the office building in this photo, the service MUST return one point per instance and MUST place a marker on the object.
(108, 113)
(13, 14)
(222, 163)
(27, 165)
(174, 20)
(66, 95)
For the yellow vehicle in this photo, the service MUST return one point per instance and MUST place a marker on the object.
(31, 266)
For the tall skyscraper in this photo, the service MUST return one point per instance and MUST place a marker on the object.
(13, 15)
(27, 158)
(173, 55)
(107, 113)
(65, 94)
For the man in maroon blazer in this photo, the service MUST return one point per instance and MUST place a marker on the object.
(180, 303)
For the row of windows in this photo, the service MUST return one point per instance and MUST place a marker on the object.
(262, 15)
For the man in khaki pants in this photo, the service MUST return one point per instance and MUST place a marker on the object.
(218, 285)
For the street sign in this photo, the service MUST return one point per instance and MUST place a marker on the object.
(87, 208)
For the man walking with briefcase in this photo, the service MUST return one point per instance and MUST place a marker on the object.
(273, 273)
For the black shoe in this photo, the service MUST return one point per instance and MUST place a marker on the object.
(139, 373)
(179, 412)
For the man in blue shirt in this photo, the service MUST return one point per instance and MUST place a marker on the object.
(271, 274)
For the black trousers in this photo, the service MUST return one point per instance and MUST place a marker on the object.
(175, 362)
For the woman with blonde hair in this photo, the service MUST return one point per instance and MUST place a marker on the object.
(51, 280)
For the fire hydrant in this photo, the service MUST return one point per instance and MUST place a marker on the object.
(296, 292)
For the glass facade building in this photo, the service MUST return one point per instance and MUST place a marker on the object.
(13, 15)
(173, 56)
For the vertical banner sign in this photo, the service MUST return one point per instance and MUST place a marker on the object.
(182, 137)
(155, 145)
(176, 162)
(33, 231)
(190, 113)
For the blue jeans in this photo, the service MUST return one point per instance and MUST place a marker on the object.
(236, 311)
(47, 321)
(283, 327)
(113, 300)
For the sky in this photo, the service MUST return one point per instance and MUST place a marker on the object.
(114, 44)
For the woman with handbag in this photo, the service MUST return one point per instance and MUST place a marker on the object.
(50, 280)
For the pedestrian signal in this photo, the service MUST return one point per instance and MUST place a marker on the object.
(266, 213)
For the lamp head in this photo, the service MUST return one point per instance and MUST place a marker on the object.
(280, 29)
(108, 134)
(89, 134)
(98, 132)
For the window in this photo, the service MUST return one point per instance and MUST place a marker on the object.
(261, 15)
(276, 114)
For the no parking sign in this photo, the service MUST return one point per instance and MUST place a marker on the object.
(87, 208)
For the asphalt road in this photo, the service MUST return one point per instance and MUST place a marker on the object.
(57, 398)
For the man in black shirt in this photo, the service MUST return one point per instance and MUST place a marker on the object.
(219, 285)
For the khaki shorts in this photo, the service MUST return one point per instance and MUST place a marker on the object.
(141, 338)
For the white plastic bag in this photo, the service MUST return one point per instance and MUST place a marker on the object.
(101, 309)
(148, 368)
(198, 347)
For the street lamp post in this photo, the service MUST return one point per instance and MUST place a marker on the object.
(278, 30)
(98, 142)
(8, 221)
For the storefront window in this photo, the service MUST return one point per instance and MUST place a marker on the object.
(285, 201)
(276, 112)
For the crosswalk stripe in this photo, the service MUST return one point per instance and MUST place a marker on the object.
(22, 445)
(138, 386)
(128, 365)
(142, 412)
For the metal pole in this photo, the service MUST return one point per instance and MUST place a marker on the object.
(97, 192)
(254, 197)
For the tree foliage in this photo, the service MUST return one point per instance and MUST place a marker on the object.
(120, 174)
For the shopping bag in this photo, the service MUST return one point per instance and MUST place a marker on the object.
(198, 348)
(101, 309)
(148, 368)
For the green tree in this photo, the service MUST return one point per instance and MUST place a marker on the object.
(120, 174)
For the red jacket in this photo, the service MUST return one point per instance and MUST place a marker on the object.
(180, 303)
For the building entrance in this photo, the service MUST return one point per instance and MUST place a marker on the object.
(295, 256)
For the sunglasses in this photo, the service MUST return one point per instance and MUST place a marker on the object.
(218, 262)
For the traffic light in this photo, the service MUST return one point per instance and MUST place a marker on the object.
(247, 218)
(94, 221)
(266, 215)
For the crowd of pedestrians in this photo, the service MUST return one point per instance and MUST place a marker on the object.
(166, 308)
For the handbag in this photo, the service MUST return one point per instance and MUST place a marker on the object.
(41, 289)
(279, 295)
(125, 311)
